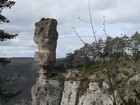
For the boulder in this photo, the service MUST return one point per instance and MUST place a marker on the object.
(48, 92)
(70, 93)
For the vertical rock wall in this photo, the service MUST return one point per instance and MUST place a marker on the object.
(47, 93)
(70, 93)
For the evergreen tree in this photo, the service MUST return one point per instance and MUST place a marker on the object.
(5, 4)
(3, 37)
(136, 45)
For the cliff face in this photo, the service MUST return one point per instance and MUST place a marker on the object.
(47, 93)
(70, 92)
(66, 91)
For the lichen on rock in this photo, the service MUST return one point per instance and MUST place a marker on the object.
(47, 93)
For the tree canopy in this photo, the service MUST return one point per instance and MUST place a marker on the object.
(4, 4)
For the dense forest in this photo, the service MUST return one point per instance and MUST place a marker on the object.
(112, 49)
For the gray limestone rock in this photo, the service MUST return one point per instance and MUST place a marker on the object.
(47, 92)
(135, 78)
(45, 37)
(70, 93)
(72, 73)
(95, 96)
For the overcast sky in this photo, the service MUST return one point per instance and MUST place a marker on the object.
(122, 17)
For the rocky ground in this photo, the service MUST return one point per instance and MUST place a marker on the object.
(74, 88)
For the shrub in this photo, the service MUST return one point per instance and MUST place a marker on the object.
(126, 73)
(84, 82)
(100, 81)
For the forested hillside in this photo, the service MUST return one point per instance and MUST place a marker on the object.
(114, 61)
(112, 49)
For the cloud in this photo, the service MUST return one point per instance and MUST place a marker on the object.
(67, 44)
(124, 11)
(122, 16)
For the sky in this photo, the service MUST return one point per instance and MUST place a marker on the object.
(121, 17)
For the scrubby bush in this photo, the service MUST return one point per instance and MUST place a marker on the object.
(84, 82)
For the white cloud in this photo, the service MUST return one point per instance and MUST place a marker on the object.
(122, 16)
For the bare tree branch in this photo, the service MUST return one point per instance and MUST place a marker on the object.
(83, 20)
(91, 22)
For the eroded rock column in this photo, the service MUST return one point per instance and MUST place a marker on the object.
(46, 39)
(46, 91)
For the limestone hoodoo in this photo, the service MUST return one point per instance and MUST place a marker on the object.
(45, 37)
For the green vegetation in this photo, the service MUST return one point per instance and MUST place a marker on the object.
(83, 86)
(118, 49)
(5, 4)
(114, 60)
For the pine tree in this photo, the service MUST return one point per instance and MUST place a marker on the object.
(4, 4)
